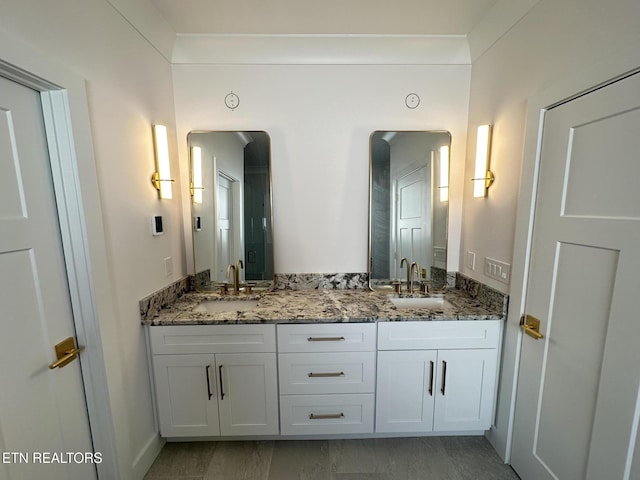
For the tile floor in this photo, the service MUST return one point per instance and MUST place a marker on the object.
(426, 458)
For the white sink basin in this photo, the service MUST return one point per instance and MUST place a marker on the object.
(418, 302)
(225, 305)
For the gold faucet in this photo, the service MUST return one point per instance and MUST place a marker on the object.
(239, 265)
(236, 275)
(405, 261)
(229, 268)
(415, 267)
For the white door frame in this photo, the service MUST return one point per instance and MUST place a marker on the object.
(66, 182)
(597, 76)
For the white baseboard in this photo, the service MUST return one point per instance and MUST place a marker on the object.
(143, 461)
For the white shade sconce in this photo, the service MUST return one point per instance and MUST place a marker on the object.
(161, 178)
(483, 177)
(196, 174)
(444, 173)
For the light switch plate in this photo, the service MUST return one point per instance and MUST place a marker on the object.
(471, 260)
(497, 270)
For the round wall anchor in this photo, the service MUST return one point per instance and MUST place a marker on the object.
(232, 100)
(412, 100)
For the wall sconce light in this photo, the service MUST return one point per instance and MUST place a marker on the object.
(444, 173)
(161, 178)
(483, 177)
(196, 174)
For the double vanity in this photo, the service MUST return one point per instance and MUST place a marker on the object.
(319, 356)
(324, 363)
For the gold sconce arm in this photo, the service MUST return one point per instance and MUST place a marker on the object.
(488, 180)
(155, 180)
(193, 189)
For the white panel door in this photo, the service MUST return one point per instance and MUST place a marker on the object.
(224, 235)
(578, 401)
(248, 393)
(405, 391)
(41, 410)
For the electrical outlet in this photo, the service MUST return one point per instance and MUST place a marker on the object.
(168, 266)
(497, 270)
(471, 260)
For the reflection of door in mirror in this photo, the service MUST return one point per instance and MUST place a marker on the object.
(408, 206)
(228, 234)
(413, 229)
(235, 213)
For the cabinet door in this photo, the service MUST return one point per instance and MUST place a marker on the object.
(186, 395)
(465, 381)
(405, 391)
(247, 393)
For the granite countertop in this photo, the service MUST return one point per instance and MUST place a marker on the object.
(322, 306)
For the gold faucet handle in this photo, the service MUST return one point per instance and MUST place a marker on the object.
(229, 267)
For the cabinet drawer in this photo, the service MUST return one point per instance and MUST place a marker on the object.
(213, 339)
(322, 373)
(328, 337)
(326, 414)
(438, 335)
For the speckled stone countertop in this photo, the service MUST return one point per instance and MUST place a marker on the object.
(321, 306)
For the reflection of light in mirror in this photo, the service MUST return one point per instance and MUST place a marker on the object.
(444, 173)
(196, 158)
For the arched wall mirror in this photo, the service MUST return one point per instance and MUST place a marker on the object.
(408, 207)
(231, 208)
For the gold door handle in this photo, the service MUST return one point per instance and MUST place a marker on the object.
(66, 352)
(531, 326)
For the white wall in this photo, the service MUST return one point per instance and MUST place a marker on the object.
(555, 41)
(129, 87)
(319, 118)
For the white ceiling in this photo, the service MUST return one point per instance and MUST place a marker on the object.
(310, 17)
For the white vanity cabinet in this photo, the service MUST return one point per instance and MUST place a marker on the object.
(327, 378)
(436, 376)
(215, 380)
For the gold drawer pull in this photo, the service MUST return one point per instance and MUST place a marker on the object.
(325, 339)
(325, 374)
(324, 416)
